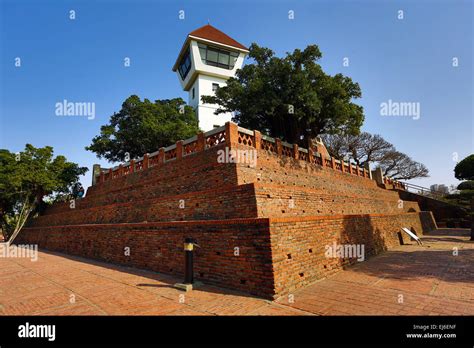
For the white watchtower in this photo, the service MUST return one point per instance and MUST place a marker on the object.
(207, 59)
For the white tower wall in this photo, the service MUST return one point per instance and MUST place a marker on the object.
(203, 86)
(200, 79)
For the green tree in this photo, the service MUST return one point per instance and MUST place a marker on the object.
(291, 97)
(28, 176)
(464, 170)
(142, 127)
(466, 185)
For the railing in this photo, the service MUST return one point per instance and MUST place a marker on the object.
(179, 150)
(229, 134)
(420, 190)
(281, 148)
(396, 184)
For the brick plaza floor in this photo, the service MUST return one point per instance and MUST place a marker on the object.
(408, 280)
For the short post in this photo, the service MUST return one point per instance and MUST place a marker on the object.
(369, 172)
(279, 146)
(95, 173)
(310, 152)
(161, 155)
(231, 134)
(179, 149)
(310, 155)
(323, 159)
(257, 139)
(378, 176)
(146, 161)
(201, 142)
(296, 151)
(188, 283)
(188, 256)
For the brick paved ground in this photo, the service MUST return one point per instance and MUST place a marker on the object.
(430, 278)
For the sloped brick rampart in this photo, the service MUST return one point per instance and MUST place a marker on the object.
(263, 227)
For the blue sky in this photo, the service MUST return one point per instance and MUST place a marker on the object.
(405, 60)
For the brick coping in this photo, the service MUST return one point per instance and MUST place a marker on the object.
(257, 220)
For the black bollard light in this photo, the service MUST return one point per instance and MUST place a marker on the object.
(188, 260)
(188, 283)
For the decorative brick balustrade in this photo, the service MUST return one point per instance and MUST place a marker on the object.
(394, 183)
(231, 134)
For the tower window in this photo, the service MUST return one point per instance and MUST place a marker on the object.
(215, 86)
(193, 93)
(185, 65)
(218, 57)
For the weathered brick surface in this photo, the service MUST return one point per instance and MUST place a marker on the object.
(221, 203)
(299, 245)
(197, 172)
(159, 247)
(260, 264)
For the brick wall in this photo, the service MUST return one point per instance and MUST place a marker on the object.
(285, 205)
(194, 173)
(292, 187)
(159, 247)
(299, 244)
(220, 203)
(274, 256)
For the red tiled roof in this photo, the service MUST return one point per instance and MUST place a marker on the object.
(208, 32)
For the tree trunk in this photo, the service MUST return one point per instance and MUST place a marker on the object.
(26, 209)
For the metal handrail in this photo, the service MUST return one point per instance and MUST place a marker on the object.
(423, 190)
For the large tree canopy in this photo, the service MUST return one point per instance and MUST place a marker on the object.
(464, 170)
(291, 97)
(26, 177)
(372, 148)
(142, 127)
(399, 166)
(362, 148)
